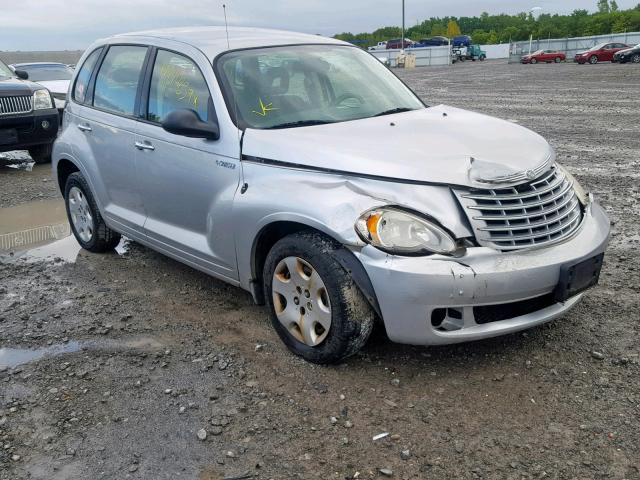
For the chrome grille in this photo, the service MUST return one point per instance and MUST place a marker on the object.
(17, 104)
(540, 212)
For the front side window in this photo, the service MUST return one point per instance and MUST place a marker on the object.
(118, 77)
(301, 85)
(176, 83)
(46, 73)
(84, 75)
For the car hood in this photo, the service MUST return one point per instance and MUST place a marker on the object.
(628, 50)
(14, 86)
(56, 86)
(436, 145)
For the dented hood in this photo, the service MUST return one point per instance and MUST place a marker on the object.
(441, 144)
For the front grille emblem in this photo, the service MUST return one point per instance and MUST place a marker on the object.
(530, 174)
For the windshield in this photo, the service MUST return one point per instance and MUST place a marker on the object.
(309, 84)
(597, 47)
(44, 73)
(537, 52)
(5, 71)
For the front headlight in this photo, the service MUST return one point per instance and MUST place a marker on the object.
(581, 193)
(42, 100)
(400, 232)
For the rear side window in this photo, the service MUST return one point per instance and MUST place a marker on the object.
(176, 83)
(84, 75)
(118, 77)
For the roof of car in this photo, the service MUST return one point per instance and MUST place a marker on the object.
(213, 40)
(37, 64)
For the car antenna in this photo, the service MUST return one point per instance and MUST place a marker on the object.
(235, 103)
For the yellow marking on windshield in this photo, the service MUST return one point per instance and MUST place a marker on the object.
(264, 109)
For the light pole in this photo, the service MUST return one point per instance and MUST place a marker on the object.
(536, 10)
(402, 46)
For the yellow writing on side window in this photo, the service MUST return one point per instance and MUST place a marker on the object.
(173, 79)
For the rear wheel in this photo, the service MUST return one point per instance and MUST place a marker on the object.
(41, 153)
(593, 59)
(315, 306)
(86, 222)
(636, 58)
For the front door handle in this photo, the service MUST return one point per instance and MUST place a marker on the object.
(84, 127)
(144, 146)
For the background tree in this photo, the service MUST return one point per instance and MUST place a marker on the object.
(502, 28)
(453, 29)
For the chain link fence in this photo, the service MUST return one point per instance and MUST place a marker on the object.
(570, 46)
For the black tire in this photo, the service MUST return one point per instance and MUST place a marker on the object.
(557, 60)
(482, 57)
(593, 59)
(635, 58)
(352, 318)
(41, 153)
(534, 61)
(103, 239)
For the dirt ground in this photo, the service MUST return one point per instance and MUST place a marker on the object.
(131, 365)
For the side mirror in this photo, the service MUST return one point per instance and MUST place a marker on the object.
(187, 122)
(22, 74)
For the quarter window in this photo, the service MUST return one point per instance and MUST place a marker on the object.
(176, 83)
(84, 75)
(118, 77)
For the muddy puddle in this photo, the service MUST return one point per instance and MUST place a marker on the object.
(13, 357)
(39, 231)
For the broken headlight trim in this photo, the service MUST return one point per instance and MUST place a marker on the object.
(400, 232)
(581, 193)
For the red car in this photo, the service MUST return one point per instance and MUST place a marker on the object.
(600, 53)
(547, 56)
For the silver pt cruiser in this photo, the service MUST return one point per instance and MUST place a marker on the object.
(303, 170)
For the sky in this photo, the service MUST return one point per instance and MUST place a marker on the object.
(74, 24)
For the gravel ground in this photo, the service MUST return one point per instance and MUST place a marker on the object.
(153, 370)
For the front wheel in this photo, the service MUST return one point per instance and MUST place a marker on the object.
(558, 60)
(593, 59)
(41, 153)
(315, 306)
(534, 61)
(86, 222)
(482, 57)
(636, 58)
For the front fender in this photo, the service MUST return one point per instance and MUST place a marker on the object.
(328, 203)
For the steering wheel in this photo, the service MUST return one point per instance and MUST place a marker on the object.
(348, 96)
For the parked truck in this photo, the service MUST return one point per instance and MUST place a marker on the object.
(470, 52)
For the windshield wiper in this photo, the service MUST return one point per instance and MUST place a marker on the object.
(299, 123)
(393, 110)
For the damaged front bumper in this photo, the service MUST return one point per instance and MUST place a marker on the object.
(485, 293)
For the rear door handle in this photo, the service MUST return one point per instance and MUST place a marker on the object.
(84, 127)
(144, 146)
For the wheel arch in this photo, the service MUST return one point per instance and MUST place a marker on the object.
(64, 168)
(271, 233)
